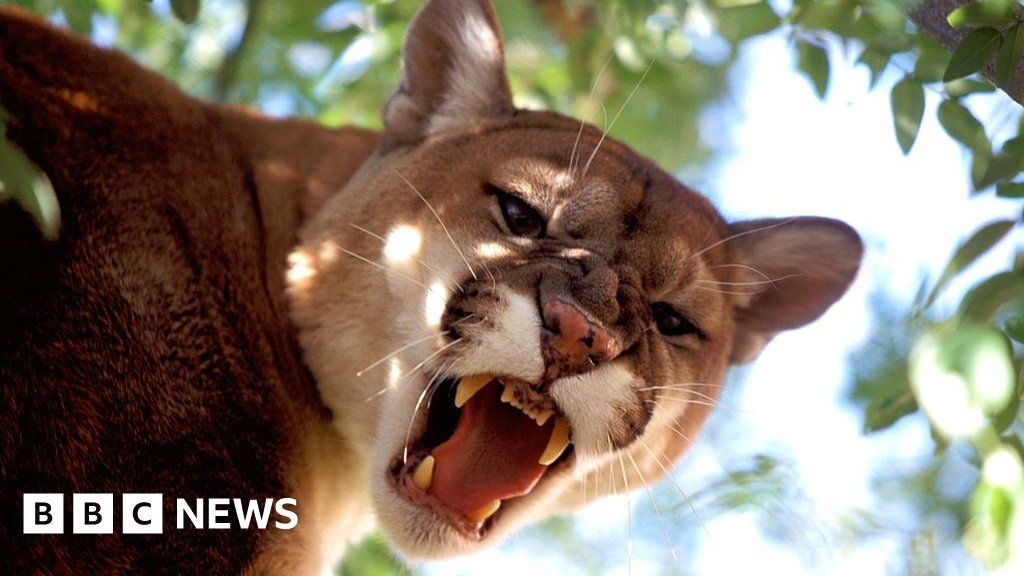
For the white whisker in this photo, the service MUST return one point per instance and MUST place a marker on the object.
(412, 419)
(657, 510)
(743, 266)
(583, 491)
(419, 402)
(590, 97)
(682, 388)
(376, 395)
(698, 403)
(668, 474)
(672, 427)
(385, 389)
(629, 517)
(408, 375)
(435, 382)
(771, 281)
(418, 260)
(732, 292)
(441, 222)
(744, 233)
(396, 352)
(616, 117)
(386, 269)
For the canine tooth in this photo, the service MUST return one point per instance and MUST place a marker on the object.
(557, 443)
(424, 474)
(485, 512)
(543, 417)
(469, 386)
(508, 396)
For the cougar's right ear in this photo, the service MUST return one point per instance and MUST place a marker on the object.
(453, 72)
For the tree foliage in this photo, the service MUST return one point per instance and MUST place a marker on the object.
(337, 62)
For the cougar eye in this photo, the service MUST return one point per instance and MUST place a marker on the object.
(672, 323)
(520, 218)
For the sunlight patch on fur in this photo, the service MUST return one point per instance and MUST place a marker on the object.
(491, 250)
(434, 303)
(328, 252)
(301, 268)
(574, 253)
(394, 373)
(403, 244)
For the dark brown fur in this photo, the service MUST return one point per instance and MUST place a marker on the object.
(148, 350)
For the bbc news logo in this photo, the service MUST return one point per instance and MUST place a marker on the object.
(143, 513)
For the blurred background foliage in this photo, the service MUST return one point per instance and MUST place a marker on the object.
(673, 60)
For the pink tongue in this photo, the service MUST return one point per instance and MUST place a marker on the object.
(493, 454)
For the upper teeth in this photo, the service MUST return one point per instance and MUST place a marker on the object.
(557, 443)
(423, 476)
(469, 386)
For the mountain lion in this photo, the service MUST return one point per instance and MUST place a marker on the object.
(455, 327)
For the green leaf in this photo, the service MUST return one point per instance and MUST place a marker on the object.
(812, 60)
(960, 374)
(876, 61)
(1005, 165)
(372, 557)
(907, 100)
(981, 302)
(962, 126)
(1014, 328)
(981, 166)
(1010, 54)
(983, 13)
(1010, 190)
(22, 180)
(932, 60)
(833, 15)
(186, 10)
(79, 15)
(976, 49)
(110, 6)
(1005, 418)
(885, 410)
(967, 86)
(743, 21)
(973, 248)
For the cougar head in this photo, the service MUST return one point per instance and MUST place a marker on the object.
(504, 303)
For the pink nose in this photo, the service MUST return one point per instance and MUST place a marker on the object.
(575, 339)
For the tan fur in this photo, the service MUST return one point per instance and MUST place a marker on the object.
(643, 236)
(210, 256)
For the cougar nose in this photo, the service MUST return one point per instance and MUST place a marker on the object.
(571, 342)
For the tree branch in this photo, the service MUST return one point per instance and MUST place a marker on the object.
(930, 17)
(568, 26)
(228, 70)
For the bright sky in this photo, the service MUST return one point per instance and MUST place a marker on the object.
(795, 155)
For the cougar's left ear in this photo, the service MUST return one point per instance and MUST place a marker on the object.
(453, 72)
(794, 270)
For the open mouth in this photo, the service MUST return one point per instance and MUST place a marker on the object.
(488, 440)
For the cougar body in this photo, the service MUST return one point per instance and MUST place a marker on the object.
(452, 328)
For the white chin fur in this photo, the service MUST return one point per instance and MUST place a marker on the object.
(589, 402)
(510, 347)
